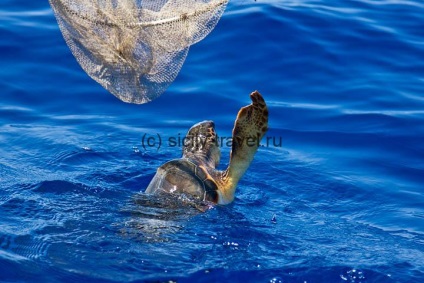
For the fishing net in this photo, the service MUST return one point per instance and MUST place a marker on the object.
(135, 48)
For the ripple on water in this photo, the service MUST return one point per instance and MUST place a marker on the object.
(340, 201)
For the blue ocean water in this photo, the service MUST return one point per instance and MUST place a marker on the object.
(339, 199)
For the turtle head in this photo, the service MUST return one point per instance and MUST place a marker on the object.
(201, 144)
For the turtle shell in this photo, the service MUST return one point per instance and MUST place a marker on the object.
(182, 176)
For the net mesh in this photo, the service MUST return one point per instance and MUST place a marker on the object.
(135, 48)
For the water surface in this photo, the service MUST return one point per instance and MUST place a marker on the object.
(339, 201)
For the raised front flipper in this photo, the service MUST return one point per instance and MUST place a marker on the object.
(249, 128)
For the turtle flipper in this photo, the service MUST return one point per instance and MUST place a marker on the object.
(249, 128)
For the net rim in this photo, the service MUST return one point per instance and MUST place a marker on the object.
(184, 16)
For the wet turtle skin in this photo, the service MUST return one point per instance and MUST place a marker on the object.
(195, 174)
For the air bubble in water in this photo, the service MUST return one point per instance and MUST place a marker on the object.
(276, 280)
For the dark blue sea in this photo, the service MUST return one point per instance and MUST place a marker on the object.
(336, 195)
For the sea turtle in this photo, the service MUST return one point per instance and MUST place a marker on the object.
(195, 174)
